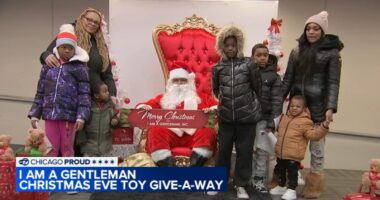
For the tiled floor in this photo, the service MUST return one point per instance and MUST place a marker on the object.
(338, 183)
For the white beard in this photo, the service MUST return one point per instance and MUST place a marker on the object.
(176, 94)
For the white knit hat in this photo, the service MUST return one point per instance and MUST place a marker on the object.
(320, 19)
(180, 70)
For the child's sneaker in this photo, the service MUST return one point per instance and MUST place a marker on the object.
(241, 193)
(289, 195)
(278, 190)
(212, 193)
(72, 192)
(258, 184)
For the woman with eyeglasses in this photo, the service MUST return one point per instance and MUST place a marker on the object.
(88, 28)
(89, 31)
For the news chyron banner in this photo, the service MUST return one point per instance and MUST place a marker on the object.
(102, 174)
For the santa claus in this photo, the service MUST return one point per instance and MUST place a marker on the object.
(180, 94)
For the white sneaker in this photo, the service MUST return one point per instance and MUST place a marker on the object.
(212, 193)
(278, 190)
(259, 185)
(289, 195)
(241, 193)
(72, 192)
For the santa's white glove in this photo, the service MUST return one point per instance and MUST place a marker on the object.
(208, 110)
(144, 107)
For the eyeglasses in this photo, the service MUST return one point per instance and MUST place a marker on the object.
(92, 21)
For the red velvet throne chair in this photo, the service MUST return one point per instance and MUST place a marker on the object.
(192, 42)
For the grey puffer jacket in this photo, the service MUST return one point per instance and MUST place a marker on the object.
(321, 88)
(234, 82)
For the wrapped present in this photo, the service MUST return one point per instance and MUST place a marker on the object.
(361, 196)
(122, 136)
(7, 180)
(124, 142)
(33, 196)
(138, 160)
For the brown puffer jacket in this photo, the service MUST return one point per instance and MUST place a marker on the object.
(294, 135)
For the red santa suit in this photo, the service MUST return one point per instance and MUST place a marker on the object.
(168, 138)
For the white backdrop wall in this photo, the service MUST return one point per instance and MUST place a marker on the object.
(132, 23)
(28, 27)
(359, 103)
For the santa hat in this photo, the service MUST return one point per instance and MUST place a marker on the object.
(320, 19)
(180, 70)
(66, 35)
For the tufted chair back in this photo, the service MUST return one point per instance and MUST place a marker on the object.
(192, 42)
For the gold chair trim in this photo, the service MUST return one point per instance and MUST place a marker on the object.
(193, 22)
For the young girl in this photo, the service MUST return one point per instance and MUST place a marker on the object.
(271, 105)
(294, 132)
(234, 83)
(98, 130)
(313, 71)
(63, 94)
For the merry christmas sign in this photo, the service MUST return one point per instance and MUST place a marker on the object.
(167, 118)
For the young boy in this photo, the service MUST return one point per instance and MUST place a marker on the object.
(294, 132)
(63, 94)
(271, 105)
(235, 83)
(98, 131)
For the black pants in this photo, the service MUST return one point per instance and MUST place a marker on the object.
(243, 135)
(284, 166)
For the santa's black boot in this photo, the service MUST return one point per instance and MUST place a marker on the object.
(167, 162)
(197, 160)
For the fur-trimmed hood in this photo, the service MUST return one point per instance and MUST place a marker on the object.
(331, 42)
(227, 31)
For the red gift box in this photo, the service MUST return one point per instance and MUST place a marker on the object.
(371, 195)
(33, 196)
(361, 196)
(7, 180)
(8, 184)
(122, 136)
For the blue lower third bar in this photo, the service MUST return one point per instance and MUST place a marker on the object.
(121, 179)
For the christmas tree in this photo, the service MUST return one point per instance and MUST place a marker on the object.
(273, 42)
(129, 146)
(122, 99)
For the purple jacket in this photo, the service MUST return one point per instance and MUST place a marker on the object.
(63, 93)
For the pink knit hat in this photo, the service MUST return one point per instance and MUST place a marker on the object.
(320, 19)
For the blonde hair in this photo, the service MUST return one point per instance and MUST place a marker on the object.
(84, 38)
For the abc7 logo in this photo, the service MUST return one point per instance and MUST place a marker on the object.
(24, 161)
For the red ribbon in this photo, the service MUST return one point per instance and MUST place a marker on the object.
(265, 42)
(275, 25)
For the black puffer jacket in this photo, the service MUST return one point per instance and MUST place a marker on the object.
(234, 82)
(321, 87)
(271, 95)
